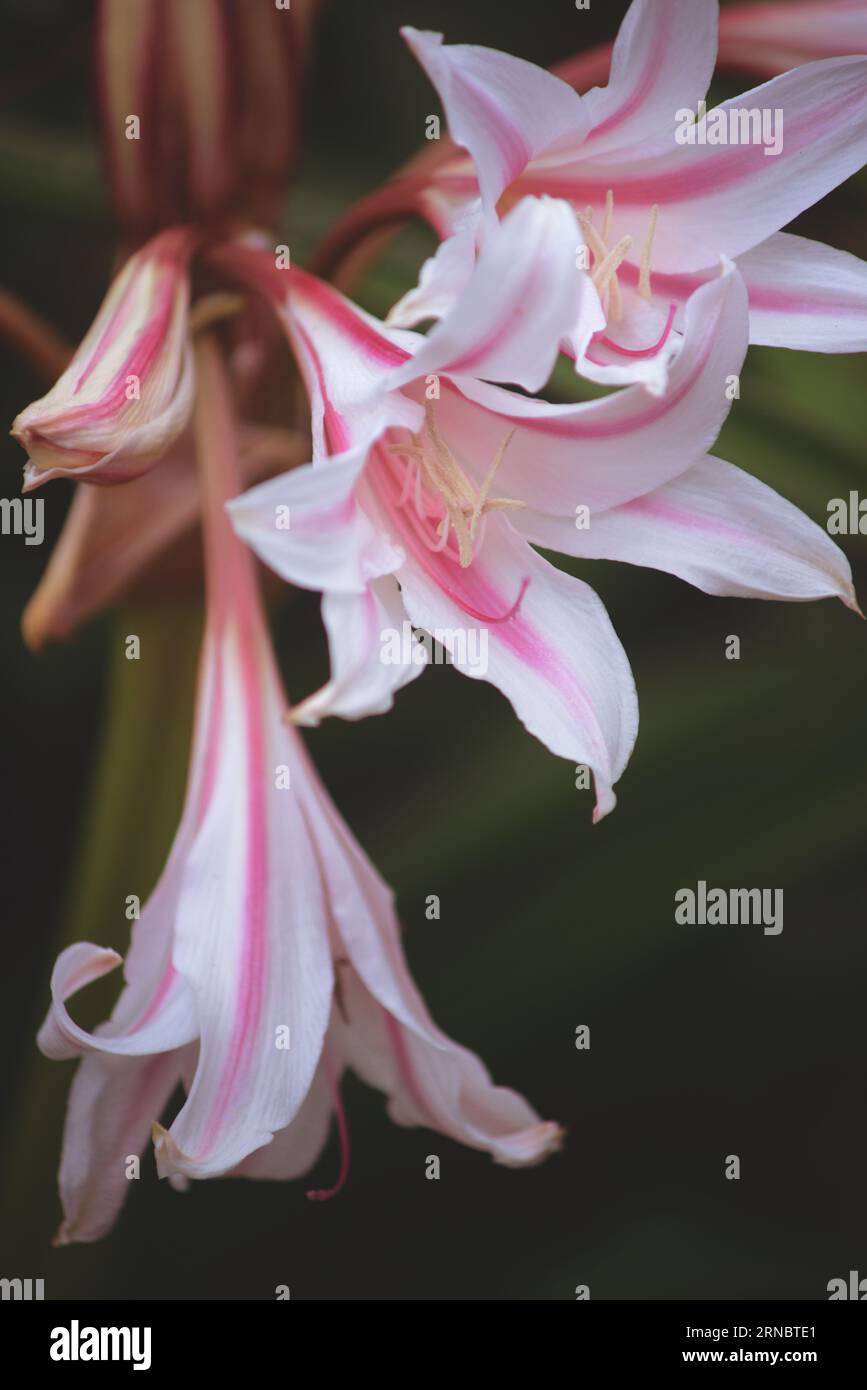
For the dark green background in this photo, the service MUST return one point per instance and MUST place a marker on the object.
(705, 1041)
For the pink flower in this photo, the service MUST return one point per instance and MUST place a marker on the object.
(128, 392)
(429, 488)
(268, 958)
(658, 213)
(764, 38)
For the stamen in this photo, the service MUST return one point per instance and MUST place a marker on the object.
(325, 1194)
(491, 474)
(418, 511)
(212, 309)
(644, 269)
(616, 309)
(407, 484)
(458, 504)
(597, 245)
(608, 267)
(609, 215)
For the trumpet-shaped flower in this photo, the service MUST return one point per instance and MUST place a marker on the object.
(128, 392)
(427, 479)
(268, 958)
(660, 198)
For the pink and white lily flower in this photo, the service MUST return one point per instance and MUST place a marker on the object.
(268, 958)
(657, 214)
(128, 391)
(429, 487)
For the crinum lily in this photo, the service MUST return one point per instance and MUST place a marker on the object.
(657, 214)
(428, 486)
(268, 957)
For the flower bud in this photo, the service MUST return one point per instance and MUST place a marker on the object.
(128, 391)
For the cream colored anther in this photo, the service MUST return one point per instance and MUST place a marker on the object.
(440, 471)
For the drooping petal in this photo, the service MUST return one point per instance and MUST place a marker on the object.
(262, 992)
(431, 1081)
(662, 60)
(167, 1022)
(249, 940)
(719, 529)
(805, 295)
(501, 109)
(543, 638)
(526, 294)
(112, 1104)
(366, 640)
(127, 393)
(383, 1029)
(294, 1150)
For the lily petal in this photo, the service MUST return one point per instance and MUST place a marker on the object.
(724, 199)
(111, 1107)
(805, 295)
(308, 526)
(663, 59)
(361, 682)
(719, 529)
(604, 452)
(503, 110)
(524, 296)
(384, 1030)
(556, 659)
(294, 1150)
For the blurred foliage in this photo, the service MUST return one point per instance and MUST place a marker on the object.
(705, 1041)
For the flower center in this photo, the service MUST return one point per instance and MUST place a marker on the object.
(606, 262)
(445, 499)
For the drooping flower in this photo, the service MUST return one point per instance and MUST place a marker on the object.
(127, 393)
(436, 481)
(268, 958)
(659, 213)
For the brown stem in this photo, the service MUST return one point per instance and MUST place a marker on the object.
(33, 337)
(385, 210)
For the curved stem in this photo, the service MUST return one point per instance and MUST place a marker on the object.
(33, 337)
